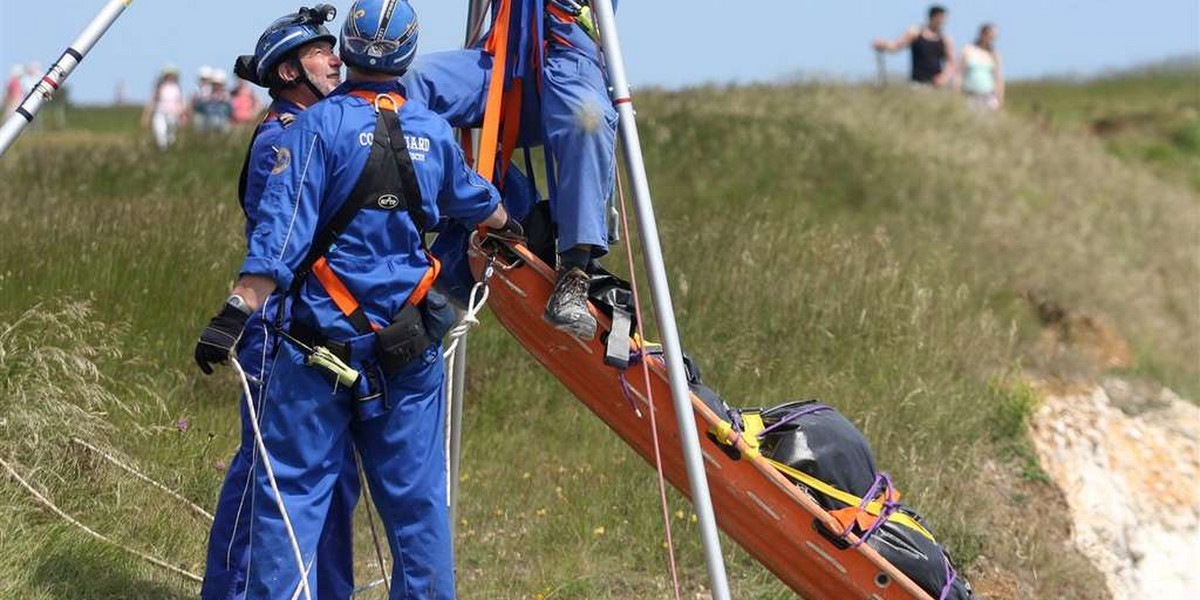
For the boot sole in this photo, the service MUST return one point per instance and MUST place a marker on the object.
(584, 329)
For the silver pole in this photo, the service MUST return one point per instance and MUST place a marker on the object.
(476, 16)
(476, 12)
(661, 293)
(458, 392)
(58, 72)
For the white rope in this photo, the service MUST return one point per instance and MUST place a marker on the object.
(128, 469)
(266, 461)
(366, 488)
(366, 588)
(479, 298)
(88, 530)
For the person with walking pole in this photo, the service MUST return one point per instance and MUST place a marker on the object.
(932, 50)
(357, 181)
(294, 59)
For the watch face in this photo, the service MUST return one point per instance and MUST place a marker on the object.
(239, 303)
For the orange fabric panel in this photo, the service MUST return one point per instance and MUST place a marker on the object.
(511, 125)
(490, 139)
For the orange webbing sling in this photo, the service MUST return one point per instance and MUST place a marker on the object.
(334, 286)
(499, 100)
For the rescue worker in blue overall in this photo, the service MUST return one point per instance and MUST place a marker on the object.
(357, 180)
(294, 60)
(577, 123)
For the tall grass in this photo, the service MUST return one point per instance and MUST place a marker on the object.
(870, 249)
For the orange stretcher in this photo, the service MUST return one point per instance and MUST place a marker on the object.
(764, 512)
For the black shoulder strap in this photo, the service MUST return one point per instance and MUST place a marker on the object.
(388, 172)
(245, 176)
(409, 188)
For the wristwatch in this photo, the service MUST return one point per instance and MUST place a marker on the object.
(238, 302)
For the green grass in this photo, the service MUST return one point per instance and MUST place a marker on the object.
(1150, 116)
(870, 249)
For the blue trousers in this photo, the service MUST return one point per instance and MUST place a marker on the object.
(229, 539)
(576, 117)
(306, 425)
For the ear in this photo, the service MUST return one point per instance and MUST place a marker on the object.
(287, 71)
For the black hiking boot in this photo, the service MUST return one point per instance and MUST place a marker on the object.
(567, 309)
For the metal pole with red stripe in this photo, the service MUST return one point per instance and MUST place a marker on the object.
(58, 73)
(661, 294)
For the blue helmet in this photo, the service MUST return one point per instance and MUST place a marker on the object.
(283, 36)
(380, 35)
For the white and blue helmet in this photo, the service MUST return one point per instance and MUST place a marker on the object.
(380, 36)
(283, 36)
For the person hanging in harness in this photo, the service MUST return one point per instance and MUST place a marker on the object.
(294, 60)
(573, 117)
(357, 181)
(932, 50)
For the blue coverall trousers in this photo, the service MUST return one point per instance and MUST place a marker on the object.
(229, 538)
(305, 424)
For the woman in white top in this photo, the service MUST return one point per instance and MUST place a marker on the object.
(166, 109)
(981, 77)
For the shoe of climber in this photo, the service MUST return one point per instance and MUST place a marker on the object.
(567, 309)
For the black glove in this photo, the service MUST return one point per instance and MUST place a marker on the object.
(510, 233)
(219, 338)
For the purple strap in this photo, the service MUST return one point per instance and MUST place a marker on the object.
(882, 485)
(807, 410)
(951, 577)
(629, 393)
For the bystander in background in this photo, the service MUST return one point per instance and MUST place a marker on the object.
(166, 110)
(14, 92)
(981, 77)
(932, 50)
(245, 103)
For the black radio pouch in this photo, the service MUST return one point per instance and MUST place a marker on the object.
(404, 340)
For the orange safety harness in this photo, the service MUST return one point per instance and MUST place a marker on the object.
(334, 286)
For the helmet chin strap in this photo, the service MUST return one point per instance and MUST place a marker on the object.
(304, 79)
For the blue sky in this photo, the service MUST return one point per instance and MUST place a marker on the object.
(667, 42)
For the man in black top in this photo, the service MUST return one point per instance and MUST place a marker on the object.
(932, 50)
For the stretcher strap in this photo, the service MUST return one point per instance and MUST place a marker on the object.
(497, 46)
(871, 507)
(865, 511)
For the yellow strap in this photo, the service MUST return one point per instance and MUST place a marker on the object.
(753, 424)
(873, 508)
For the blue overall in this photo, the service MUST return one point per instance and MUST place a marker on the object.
(575, 120)
(228, 551)
(307, 419)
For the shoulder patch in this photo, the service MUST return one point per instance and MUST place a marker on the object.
(287, 119)
(283, 160)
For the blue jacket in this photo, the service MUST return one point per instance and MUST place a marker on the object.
(261, 159)
(380, 256)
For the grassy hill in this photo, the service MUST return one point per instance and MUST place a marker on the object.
(874, 248)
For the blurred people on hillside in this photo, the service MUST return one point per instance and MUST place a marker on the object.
(212, 105)
(981, 77)
(245, 103)
(202, 98)
(220, 103)
(14, 93)
(932, 50)
(166, 111)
